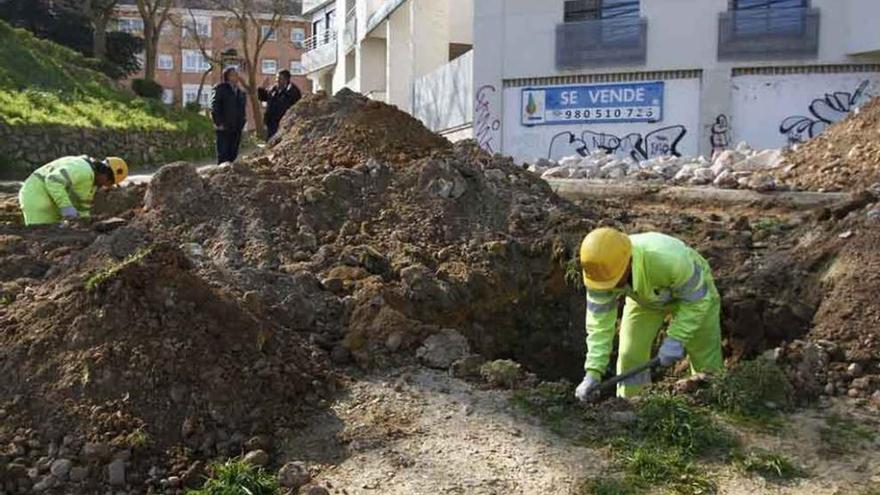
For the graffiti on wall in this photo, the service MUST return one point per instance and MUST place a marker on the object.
(823, 112)
(720, 136)
(661, 142)
(486, 125)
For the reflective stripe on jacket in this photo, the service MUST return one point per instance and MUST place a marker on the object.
(666, 275)
(69, 181)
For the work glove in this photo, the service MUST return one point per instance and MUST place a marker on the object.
(671, 351)
(69, 212)
(587, 386)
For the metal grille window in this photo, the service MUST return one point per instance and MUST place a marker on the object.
(587, 10)
(776, 17)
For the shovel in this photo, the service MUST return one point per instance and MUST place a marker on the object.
(626, 375)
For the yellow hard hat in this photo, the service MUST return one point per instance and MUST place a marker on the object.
(605, 255)
(119, 168)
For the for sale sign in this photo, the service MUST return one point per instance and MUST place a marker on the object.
(597, 104)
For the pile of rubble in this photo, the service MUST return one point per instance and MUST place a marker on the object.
(742, 168)
(844, 157)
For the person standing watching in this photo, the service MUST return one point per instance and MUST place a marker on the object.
(279, 98)
(229, 115)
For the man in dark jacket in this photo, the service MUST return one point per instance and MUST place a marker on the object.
(283, 95)
(229, 115)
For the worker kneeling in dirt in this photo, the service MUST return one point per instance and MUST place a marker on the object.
(64, 189)
(660, 276)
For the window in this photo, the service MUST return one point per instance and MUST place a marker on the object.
(193, 61)
(165, 62)
(768, 4)
(167, 28)
(233, 33)
(267, 33)
(297, 36)
(762, 18)
(130, 25)
(297, 68)
(586, 10)
(201, 26)
(168, 96)
(190, 91)
(270, 66)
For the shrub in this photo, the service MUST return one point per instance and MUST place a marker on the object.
(236, 477)
(752, 389)
(146, 88)
(770, 466)
(193, 106)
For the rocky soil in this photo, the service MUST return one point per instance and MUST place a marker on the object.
(844, 157)
(218, 313)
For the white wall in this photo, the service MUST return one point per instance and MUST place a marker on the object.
(490, 38)
(864, 16)
(461, 21)
(772, 111)
(443, 98)
(678, 131)
(400, 64)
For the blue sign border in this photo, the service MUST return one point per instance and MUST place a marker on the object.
(523, 91)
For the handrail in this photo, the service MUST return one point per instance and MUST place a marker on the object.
(318, 40)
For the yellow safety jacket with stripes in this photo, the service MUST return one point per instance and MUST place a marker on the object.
(666, 275)
(70, 182)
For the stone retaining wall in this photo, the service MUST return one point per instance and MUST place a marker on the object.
(23, 148)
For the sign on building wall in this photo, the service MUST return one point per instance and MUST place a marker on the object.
(595, 104)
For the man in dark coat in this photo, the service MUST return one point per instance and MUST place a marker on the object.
(229, 115)
(283, 95)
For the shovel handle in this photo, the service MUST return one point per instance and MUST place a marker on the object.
(626, 375)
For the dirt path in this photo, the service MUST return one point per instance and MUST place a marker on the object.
(419, 431)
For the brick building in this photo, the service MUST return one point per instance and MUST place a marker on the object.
(180, 64)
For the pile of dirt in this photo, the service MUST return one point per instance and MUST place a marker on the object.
(145, 356)
(844, 157)
(346, 130)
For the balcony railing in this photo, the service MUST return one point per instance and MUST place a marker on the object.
(601, 42)
(349, 35)
(320, 51)
(768, 33)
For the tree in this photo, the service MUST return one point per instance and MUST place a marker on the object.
(100, 13)
(65, 22)
(247, 18)
(154, 14)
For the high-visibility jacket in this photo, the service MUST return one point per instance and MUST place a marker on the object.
(63, 183)
(666, 275)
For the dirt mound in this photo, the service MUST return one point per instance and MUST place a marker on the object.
(347, 129)
(149, 357)
(845, 157)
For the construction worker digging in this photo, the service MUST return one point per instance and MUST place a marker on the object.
(661, 278)
(64, 189)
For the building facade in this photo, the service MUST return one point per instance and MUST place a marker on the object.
(644, 78)
(181, 65)
(415, 54)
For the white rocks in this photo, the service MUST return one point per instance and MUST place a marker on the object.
(293, 475)
(61, 468)
(443, 348)
(256, 458)
(728, 169)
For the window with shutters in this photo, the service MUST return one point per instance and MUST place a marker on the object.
(601, 33)
(767, 29)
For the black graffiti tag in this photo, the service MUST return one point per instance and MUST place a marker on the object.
(662, 142)
(485, 125)
(823, 112)
(720, 138)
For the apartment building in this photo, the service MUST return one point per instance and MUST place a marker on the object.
(180, 64)
(415, 54)
(555, 78)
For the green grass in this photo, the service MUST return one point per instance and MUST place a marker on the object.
(99, 277)
(755, 390)
(770, 466)
(669, 421)
(236, 477)
(551, 402)
(42, 83)
(609, 486)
